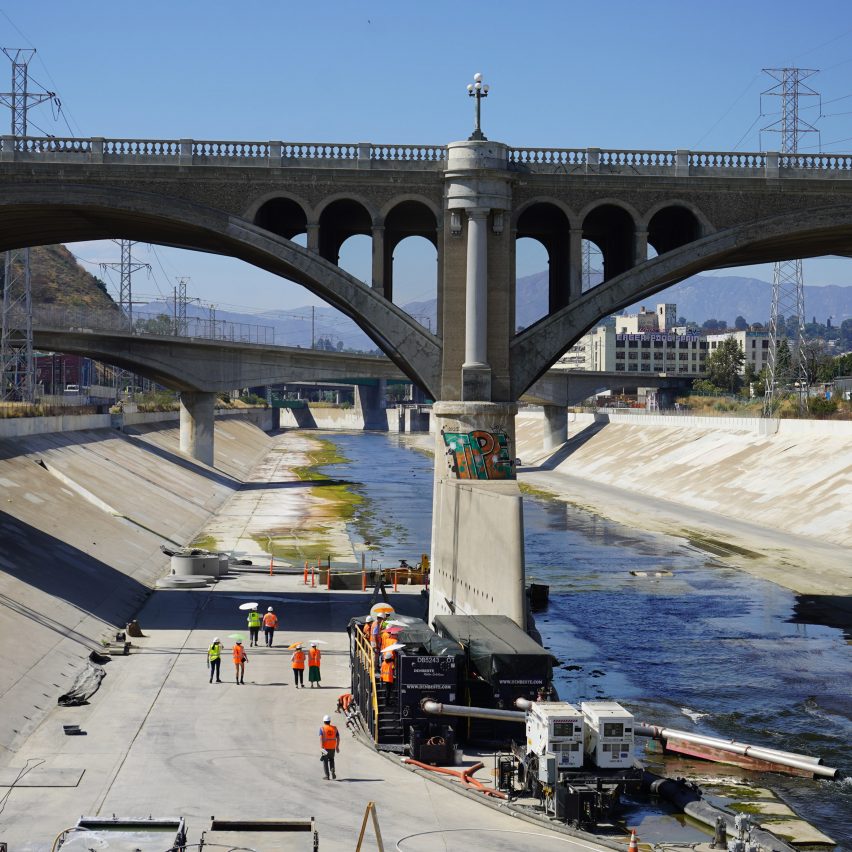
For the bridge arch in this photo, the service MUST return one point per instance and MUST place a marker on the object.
(409, 217)
(282, 215)
(549, 224)
(611, 225)
(33, 214)
(340, 219)
(673, 224)
(811, 233)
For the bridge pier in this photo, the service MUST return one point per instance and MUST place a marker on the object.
(555, 426)
(196, 425)
(477, 520)
(369, 401)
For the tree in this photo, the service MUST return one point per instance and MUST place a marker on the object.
(724, 365)
(740, 323)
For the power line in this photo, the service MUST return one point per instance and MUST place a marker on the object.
(17, 367)
(787, 367)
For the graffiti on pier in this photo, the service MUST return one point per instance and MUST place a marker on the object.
(479, 455)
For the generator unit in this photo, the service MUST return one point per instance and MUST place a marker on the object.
(556, 728)
(608, 734)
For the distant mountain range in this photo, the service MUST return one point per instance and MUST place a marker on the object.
(59, 279)
(699, 298)
(705, 297)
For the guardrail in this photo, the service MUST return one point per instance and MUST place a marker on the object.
(161, 324)
(278, 154)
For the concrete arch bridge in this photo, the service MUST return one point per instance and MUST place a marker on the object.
(472, 200)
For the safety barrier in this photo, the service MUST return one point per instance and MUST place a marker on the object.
(366, 659)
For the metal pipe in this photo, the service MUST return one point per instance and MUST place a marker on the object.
(439, 709)
(523, 703)
(783, 758)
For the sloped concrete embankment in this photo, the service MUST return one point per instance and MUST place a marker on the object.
(791, 476)
(82, 518)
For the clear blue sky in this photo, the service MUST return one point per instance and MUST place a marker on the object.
(654, 75)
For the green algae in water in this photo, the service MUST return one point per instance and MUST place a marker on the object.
(340, 500)
(539, 493)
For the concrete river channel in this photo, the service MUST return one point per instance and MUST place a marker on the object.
(702, 647)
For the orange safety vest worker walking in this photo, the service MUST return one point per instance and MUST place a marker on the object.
(270, 622)
(297, 663)
(368, 627)
(387, 672)
(330, 744)
(314, 656)
(240, 658)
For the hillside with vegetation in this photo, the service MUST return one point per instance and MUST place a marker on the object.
(58, 280)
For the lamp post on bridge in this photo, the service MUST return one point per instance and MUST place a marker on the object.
(479, 90)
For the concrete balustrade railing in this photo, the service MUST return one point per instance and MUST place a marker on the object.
(276, 154)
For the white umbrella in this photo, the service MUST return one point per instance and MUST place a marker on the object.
(249, 605)
(395, 647)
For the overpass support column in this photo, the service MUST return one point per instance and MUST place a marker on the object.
(476, 374)
(196, 425)
(477, 513)
(575, 261)
(555, 426)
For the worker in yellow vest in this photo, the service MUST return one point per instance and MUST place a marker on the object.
(297, 663)
(214, 658)
(314, 657)
(330, 745)
(254, 621)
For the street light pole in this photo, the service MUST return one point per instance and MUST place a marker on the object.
(478, 90)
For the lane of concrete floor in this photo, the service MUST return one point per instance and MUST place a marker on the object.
(162, 740)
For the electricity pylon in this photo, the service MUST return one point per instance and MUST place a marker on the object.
(17, 370)
(788, 289)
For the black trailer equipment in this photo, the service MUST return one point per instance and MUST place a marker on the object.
(503, 664)
(428, 667)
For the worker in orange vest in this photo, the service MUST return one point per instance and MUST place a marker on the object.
(330, 744)
(368, 627)
(297, 663)
(240, 658)
(314, 656)
(344, 702)
(270, 622)
(387, 672)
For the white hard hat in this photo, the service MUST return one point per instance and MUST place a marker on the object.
(313, 644)
(269, 609)
(215, 638)
(326, 718)
(370, 618)
(239, 641)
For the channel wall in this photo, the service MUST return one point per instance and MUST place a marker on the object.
(84, 508)
(793, 476)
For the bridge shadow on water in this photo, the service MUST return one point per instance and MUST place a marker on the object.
(830, 610)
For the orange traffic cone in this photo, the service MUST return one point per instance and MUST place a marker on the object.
(633, 846)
